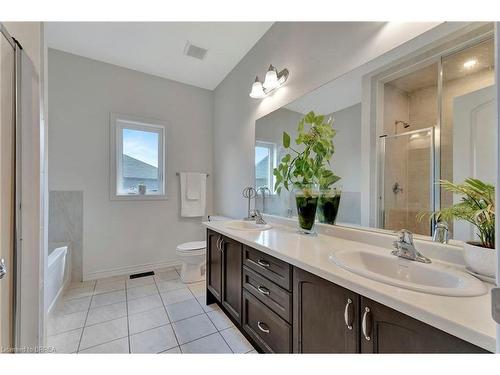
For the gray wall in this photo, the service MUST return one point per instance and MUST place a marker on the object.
(124, 236)
(315, 53)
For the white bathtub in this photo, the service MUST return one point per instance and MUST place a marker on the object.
(55, 275)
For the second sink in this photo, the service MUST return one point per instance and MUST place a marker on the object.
(427, 278)
(246, 225)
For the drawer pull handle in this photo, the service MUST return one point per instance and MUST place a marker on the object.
(347, 318)
(264, 263)
(263, 327)
(363, 325)
(263, 290)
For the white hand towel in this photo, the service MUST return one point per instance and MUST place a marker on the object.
(190, 207)
(193, 181)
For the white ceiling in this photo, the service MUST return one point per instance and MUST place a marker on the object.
(158, 47)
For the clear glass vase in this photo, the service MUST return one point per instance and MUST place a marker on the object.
(306, 199)
(328, 205)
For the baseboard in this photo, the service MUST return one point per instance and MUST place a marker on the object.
(129, 270)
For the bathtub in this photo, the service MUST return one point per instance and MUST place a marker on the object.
(55, 276)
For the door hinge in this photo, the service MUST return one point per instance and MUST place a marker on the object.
(495, 304)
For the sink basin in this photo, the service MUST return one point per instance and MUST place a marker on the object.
(430, 278)
(246, 225)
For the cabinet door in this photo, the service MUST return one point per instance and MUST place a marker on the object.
(214, 264)
(325, 316)
(231, 277)
(385, 330)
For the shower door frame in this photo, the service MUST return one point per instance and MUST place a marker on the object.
(434, 55)
(432, 175)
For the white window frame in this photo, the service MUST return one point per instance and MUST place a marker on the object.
(273, 151)
(118, 122)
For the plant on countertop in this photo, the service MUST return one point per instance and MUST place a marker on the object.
(308, 167)
(477, 206)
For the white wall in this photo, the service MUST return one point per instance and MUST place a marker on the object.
(314, 53)
(124, 236)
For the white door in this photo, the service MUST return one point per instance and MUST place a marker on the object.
(7, 175)
(474, 145)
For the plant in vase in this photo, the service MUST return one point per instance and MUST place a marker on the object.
(477, 206)
(304, 171)
(329, 199)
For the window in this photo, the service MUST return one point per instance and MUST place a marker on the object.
(265, 162)
(137, 158)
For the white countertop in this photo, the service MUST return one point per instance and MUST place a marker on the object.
(468, 318)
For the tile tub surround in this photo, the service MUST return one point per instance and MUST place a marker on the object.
(66, 225)
(468, 318)
(154, 314)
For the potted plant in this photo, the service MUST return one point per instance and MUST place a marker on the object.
(304, 171)
(329, 198)
(477, 206)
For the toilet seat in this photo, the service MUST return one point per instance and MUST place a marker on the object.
(192, 248)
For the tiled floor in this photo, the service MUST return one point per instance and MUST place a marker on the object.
(154, 314)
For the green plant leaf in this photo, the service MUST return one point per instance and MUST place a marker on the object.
(286, 140)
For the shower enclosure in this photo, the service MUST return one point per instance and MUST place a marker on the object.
(437, 122)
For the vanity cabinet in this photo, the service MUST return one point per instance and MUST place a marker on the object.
(224, 272)
(284, 309)
(325, 316)
(384, 330)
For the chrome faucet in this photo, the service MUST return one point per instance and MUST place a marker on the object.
(258, 218)
(262, 191)
(441, 232)
(404, 247)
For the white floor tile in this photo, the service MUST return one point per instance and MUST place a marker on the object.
(198, 289)
(193, 328)
(141, 291)
(144, 304)
(131, 283)
(220, 319)
(166, 286)
(81, 284)
(236, 341)
(64, 323)
(207, 308)
(111, 286)
(209, 344)
(73, 305)
(112, 279)
(147, 320)
(166, 275)
(66, 342)
(119, 346)
(176, 350)
(104, 332)
(175, 296)
(155, 340)
(107, 298)
(107, 312)
(78, 293)
(183, 310)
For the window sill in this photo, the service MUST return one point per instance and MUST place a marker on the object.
(139, 197)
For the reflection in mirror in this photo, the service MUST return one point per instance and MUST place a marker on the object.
(432, 118)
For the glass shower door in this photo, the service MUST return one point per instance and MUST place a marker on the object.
(406, 180)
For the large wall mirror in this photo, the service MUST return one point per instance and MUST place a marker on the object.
(432, 117)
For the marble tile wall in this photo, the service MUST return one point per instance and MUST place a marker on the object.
(66, 226)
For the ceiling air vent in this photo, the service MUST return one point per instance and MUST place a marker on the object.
(195, 51)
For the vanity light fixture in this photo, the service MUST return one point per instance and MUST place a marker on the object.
(272, 81)
(469, 64)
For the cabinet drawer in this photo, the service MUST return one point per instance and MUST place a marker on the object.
(274, 269)
(276, 298)
(271, 333)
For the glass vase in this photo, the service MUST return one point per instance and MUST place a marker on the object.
(328, 205)
(306, 199)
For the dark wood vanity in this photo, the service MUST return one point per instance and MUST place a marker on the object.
(284, 309)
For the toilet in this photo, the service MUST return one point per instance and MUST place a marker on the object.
(192, 256)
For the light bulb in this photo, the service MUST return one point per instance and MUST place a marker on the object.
(257, 90)
(469, 64)
(271, 81)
